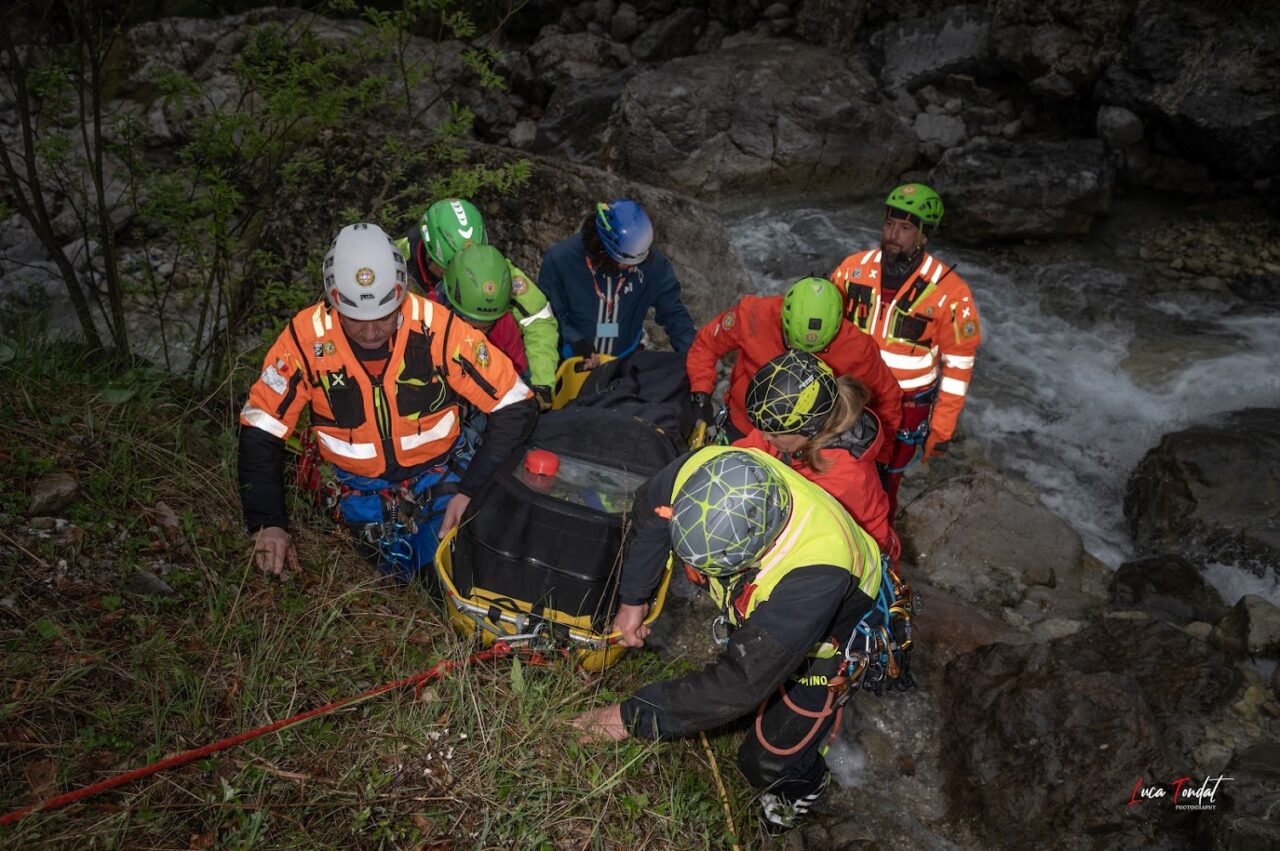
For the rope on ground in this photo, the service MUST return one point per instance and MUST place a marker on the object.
(724, 796)
(445, 666)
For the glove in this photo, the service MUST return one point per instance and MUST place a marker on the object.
(584, 348)
(702, 411)
(935, 448)
(543, 395)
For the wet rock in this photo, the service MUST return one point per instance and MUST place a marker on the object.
(1029, 731)
(1204, 96)
(562, 58)
(52, 493)
(676, 35)
(985, 540)
(1118, 127)
(625, 24)
(836, 24)
(916, 51)
(743, 120)
(1251, 628)
(1066, 41)
(948, 627)
(943, 130)
(1210, 491)
(996, 189)
(147, 584)
(575, 121)
(1167, 587)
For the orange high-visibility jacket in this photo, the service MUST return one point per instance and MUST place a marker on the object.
(928, 331)
(438, 362)
(753, 327)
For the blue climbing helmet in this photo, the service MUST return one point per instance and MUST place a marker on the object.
(625, 231)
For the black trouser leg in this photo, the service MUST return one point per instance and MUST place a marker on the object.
(796, 774)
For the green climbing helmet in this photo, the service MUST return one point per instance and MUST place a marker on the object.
(812, 311)
(449, 226)
(728, 512)
(922, 205)
(477, 283)
(794, 393)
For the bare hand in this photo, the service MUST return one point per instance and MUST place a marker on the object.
(273, 550)
(630, 622)
(603, 724)
(589, 362)
(453, 512)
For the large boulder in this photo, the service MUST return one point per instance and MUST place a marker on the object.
(1069, 40)
(1251, 628)
(552, 205)
(915, 51)
(670, 37)
(1205, 77)
(991, 543)
(1168, 588)
(586, 73)
(1212, 490)
(996, 189)
(757, 118)
(1033, 733)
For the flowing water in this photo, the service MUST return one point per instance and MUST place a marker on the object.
(1078, 375)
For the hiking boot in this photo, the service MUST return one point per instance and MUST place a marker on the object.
(780, 813)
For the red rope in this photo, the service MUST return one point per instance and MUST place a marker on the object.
(498, 650)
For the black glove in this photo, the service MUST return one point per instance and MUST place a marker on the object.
(584, 348)
(702, 410)
(543, 395)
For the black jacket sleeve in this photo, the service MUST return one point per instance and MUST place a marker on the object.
(760, 655)
(506, 429)
(260, 467)
(650, 538)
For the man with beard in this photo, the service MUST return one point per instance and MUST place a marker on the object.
(922, 315)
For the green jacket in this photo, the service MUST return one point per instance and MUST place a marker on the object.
(529, 307)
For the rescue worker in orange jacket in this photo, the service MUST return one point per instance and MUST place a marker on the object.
(820, 427)
(922, 315)
(809, 318)
(385, 374)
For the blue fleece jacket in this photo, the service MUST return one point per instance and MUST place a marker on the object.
(608, 306)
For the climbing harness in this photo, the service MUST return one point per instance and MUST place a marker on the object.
(876, 657)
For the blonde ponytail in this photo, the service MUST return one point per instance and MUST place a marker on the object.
(851, 399)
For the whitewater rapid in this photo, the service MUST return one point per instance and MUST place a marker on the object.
(1077, 376)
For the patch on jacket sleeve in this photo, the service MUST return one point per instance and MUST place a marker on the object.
(272, 378)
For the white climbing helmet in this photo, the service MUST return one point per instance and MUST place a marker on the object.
(364, 273)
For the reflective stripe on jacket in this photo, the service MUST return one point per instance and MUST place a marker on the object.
(410, 415)
(928, 331)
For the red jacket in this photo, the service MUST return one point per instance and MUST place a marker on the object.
(753, 327)
(851, 478)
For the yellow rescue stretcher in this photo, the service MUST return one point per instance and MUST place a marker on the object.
(497, 615)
